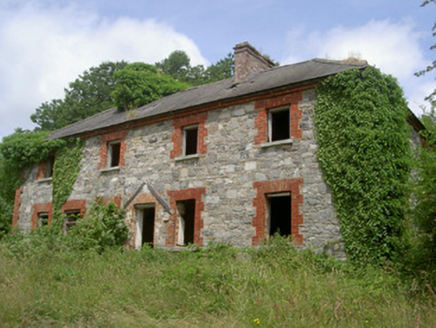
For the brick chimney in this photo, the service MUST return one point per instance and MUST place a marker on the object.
(248, 61)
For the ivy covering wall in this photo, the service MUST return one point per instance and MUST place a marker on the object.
(66, 169)
(365, 155)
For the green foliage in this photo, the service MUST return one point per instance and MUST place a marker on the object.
(66, 169)
(139, 84)
(102, 227)
(18, 151)
(87, 95)
(424, 197)
(178, 66)
(432, 97)
(365, 155)
(217, 286)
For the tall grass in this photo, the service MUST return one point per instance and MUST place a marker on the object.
(218, 286)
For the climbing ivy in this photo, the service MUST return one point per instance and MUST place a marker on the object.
(66, 169)
(365, 155)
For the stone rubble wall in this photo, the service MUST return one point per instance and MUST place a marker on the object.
(227, 171)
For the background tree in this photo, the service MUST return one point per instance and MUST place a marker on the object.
(139, 84)
(87, 95)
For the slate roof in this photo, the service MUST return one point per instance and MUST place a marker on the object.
(274, 78)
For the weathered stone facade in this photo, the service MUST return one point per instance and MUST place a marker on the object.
(235, 170)
(227, 171)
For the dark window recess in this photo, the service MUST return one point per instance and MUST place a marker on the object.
(280, 215)
(43, 219)
(148, 226)
(191, 140)
(50, 166)
(186, 211)
(71, 218)
(115, 150)
(279, 125)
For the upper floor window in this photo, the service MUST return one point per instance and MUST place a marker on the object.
(278, 124)
(190, 140)
(45, 169)
(114, 152)
(189, 136)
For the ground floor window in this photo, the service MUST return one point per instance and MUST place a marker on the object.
(279, 214)
(43, 219)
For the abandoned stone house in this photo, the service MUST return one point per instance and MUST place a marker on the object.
(232, 161)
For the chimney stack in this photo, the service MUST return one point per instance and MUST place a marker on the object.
(248, 61)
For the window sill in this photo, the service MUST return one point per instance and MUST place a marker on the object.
(185, 158)
(44, 180)
(110, 169)
(276, 143)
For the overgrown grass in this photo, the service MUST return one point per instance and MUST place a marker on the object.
(218, 286)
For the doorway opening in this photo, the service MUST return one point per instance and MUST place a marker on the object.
(279, 210)
(186, 210)
(145, 215)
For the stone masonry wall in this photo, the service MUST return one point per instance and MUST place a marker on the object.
(224, 178)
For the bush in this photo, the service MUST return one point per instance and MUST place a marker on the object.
(103, 226)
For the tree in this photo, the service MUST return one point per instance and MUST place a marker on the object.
(139, 84)
(432, 97)
(86, 96)
(178, 66)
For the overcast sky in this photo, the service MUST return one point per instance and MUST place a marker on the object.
(45, 44)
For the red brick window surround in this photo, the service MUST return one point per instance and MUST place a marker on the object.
(178, 134)
(173, 224)
(265, 105)
(264, 188)
(75, 204)
(106, 140)
(41, 208)
(142, 199)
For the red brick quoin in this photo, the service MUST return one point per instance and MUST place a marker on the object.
(259, 202)
(103, 152)
(177, 136)
(173, 224)
(295, 115)
(41, 208)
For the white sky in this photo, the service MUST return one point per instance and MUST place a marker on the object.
(45, 44)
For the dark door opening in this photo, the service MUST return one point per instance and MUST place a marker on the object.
(148, 226)
(186, 209)
(279, 215)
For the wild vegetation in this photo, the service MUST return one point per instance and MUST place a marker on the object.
(218, 286)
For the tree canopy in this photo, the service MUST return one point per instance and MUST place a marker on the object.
(139, 84)
(89, 94)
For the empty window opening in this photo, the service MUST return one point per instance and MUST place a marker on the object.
(42, 219)
(71, 217)
(50, 166)
(114, 153)
(186, 210)
(145, 215)
(279, 220)
(279, 124)
(190, 140)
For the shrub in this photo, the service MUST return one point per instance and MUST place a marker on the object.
(103, 226)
